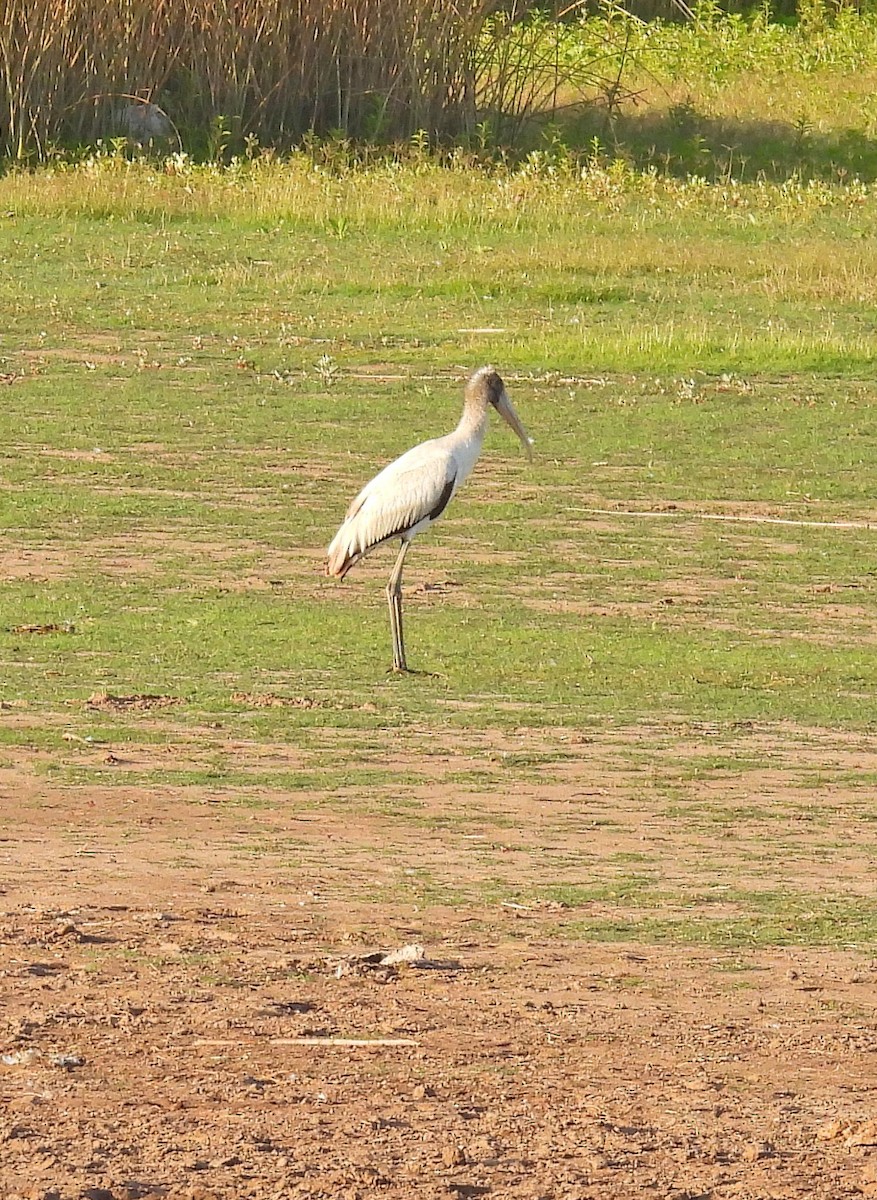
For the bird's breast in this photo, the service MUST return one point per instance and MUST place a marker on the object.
(465, 455)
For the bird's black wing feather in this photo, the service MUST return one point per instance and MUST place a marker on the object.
(444, 499)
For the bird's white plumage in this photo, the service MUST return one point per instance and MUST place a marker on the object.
(401, 497)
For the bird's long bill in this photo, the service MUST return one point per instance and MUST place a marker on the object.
(506, 410)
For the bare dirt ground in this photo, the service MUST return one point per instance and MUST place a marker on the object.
(185, 1010)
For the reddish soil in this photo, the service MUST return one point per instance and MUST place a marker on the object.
(181, 980)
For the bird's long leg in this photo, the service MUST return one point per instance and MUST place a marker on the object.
(394, 599)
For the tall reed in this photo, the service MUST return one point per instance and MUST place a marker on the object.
(273, 69)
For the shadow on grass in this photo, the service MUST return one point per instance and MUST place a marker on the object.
(681, 141)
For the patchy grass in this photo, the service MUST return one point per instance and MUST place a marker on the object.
(200, 368)
(778, 920)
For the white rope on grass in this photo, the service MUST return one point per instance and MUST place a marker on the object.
(682, 514)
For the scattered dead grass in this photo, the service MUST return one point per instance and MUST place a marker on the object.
(139, 701)
(271, 700)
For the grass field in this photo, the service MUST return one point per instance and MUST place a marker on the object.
(725, 96)
(647, 715)
(191, 398)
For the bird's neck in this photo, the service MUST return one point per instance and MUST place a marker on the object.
(474, 421)
(468, 437)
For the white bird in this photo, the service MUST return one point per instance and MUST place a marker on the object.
(412, 492)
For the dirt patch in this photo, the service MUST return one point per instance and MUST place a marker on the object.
(139, 701)
(53, 627)
(186, 1010)
(153, 1051)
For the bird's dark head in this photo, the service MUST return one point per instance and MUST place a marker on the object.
(486, 383)
(492, 385)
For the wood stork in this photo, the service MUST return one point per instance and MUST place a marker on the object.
(412, 492)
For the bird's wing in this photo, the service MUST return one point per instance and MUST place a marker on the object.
(415, 487)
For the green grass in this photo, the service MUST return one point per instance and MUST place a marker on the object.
(200, 369)
(833, 923)
(727, 96)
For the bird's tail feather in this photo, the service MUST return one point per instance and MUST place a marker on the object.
(341, 556)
